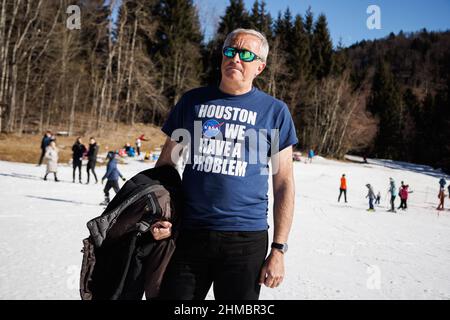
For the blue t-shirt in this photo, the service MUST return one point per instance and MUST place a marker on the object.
(225, 180)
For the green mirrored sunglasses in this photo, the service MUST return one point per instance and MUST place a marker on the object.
(244, 54)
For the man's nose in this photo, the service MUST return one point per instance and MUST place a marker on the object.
(236, 58)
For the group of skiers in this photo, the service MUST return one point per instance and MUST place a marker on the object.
(112, 173)
(80, 152)
(403, 193)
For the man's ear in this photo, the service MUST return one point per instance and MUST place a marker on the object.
(260, 69)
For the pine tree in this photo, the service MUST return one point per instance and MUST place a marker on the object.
(309, 23)
(415, 138)
(279, 69)
(340, 60)
(300, 53)
(283, 29)
(261, 20)
(178, 46)
(386, 103)
(236, 16)
(322, 48)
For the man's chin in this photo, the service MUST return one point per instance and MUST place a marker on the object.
(233, 75)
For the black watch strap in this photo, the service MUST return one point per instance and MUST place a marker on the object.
(283, 247)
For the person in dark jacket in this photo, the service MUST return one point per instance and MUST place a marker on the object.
(45, 142)
(78, 150)
(92, 158)
(371, 196)
(442, 182)
(393, 192)
(112, 174)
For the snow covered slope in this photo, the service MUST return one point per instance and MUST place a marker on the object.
(337, 250)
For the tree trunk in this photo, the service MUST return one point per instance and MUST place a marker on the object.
(130, 69)
(72, 109)
(25, 94)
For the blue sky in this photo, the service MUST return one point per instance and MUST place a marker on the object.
(347, 18)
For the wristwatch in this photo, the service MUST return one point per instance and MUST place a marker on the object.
(283, 247)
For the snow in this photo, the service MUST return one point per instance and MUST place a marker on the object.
(336, 250)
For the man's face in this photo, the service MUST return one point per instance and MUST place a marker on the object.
(237, 71)
(91, 141)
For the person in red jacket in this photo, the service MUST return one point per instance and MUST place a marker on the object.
(403, 196)
(139, 143)
(343, 188)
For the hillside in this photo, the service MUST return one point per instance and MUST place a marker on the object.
(26, 148)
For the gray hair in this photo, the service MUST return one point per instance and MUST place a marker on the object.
(263, 49)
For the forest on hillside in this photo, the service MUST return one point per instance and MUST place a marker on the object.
(387, 98)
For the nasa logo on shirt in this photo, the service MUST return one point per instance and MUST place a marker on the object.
(211, 128)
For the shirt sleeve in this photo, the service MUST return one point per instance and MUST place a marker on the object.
(175, 119)
(286, 134)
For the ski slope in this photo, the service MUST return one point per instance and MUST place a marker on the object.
(336, 250)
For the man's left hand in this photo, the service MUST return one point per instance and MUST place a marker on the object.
(272, 272)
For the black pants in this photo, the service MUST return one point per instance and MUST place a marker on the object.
(231, 261)
(76, 164)
(91, 167)
(342, 191)
(392, 203)
(111, 184)
(42, 156)
(371, 203)
(54, 174)
(402, 204)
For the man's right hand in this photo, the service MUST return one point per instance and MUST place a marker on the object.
(161, 230)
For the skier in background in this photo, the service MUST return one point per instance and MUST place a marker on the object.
(78, 150)
(442, 182)
(139, 143)
(343, 188)
(51, 155)
(112, 174)
(371, 196)
(45, 142)
(310, 155)
(404, 196)
(441, 197)
(377, 200)
(92, 158)
(393, 192)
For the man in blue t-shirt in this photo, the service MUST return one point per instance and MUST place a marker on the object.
(231, 132)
